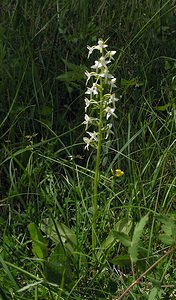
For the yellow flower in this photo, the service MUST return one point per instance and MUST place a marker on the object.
(118, 173)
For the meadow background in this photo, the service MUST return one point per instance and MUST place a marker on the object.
(45, 173)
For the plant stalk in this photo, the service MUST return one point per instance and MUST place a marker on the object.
(97, 171)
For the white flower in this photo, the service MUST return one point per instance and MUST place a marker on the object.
(113, 99)
(90, 50)
(87, 141)
(87, 102)
(93, 137)
(88, 76)
(97, 65)
(106, 75)
(100, 63)
(108, 130)
(111, 54)
(109, 112)
(103, 61)
(101, 104)
(88, 120)
(112, 83)
(101, 45)
(92, 91)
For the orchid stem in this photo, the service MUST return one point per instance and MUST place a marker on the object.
(97, 172)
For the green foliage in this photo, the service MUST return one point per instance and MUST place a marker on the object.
(120, 229)
(134, 243)
(57, 266)
(39, 243)
(60, 233)
(168, 236)
(138, 230)
(73, 76)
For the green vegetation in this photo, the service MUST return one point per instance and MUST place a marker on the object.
(53, 244)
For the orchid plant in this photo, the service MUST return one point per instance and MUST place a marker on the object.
(100, 101)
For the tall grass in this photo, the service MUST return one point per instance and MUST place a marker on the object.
(45, 174)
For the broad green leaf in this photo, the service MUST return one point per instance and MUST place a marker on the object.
(130, 83)
(58, 266)
(121, 260)
(133, 249)
(74, 73)
(153, 294)
(74, 67)
(70, 76)
(123, 238)
(168, 236)
(66, 235)
(123, 226)
(167, 240)
(155, 282)
(39, 243)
